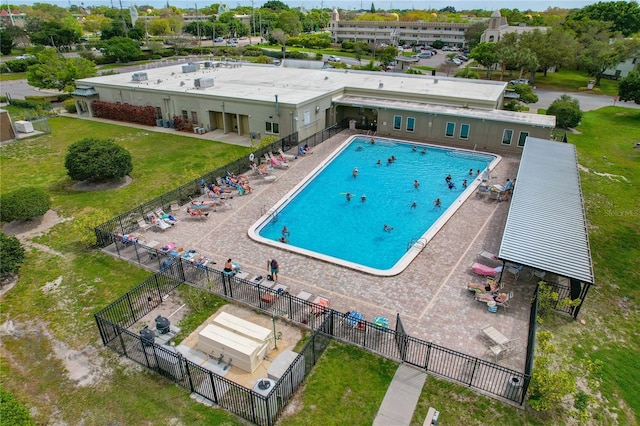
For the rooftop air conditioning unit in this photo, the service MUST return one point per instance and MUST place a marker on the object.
(203, 83)
(189, 68)
(139, 76)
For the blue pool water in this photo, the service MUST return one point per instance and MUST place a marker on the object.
(322, 223)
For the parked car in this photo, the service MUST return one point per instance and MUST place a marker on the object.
(424, 55)
(219, 40)
(449, 49)
(519, 81)
(25, 57)
(333, 58)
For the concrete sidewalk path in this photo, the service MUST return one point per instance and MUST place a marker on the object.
(401, 398)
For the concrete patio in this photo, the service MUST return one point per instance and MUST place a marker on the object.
(430, 295)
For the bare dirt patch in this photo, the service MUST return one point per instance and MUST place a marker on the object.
(83, 366)
(102, 186)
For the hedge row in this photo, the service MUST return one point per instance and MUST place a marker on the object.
(122, 112)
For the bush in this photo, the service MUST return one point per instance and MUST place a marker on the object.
(97, 160)
(567, 111)
(23, 103)
(156, 56)
(70, 106)
(24, 204)
(12, 254)
(84, 226)
(12, 412)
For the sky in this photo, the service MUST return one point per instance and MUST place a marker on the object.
(539, 5)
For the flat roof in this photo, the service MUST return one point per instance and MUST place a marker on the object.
(257, 82)
(546, 226)
(487, 114)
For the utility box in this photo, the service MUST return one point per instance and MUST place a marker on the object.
(203, 83)
(139, 76)
(23, 126)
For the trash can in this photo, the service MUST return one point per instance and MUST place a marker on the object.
(513, 388)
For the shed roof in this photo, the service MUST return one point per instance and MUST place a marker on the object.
(546, 226)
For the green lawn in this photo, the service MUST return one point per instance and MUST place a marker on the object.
(9, 76)
(575, 81)
(63, 292)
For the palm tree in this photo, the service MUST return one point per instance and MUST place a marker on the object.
(467, 72)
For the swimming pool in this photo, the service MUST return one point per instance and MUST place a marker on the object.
(323, 223)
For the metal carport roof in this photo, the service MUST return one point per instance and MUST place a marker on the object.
(546, 226)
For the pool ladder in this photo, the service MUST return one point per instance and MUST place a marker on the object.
(272, 214)
(420, 243)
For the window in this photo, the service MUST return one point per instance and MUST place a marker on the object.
(411, 124)
(506, 136)
(270, 127)
(522, 137)
(397, 122)
(194, 117)
(307, 118)
(158, 112)
(185, 115)
(451, 129)
(464, 131)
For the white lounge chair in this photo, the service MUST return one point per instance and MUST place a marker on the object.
(265, 176)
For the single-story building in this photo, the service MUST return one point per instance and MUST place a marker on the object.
(259, 100)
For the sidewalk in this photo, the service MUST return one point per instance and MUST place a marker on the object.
(401, 398)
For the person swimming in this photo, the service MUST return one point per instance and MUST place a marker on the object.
(414, 149)
(363, 198)
(437, 202)
(349, 196)
(387, 228)
(416, 184)
(424, 151)
(451, 185)
(464, 183)
(378, 163)
(414, 205)
(354, 173)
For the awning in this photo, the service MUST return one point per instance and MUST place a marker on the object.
(546, 226)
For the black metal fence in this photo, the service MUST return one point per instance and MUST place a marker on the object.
(114, 320)
(531, 336)
(129, 221)
(327, 324)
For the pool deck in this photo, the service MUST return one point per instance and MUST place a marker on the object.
(430, 295)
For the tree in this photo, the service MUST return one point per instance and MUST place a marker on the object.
(160, 27)
(601, 50)
(472, 33)
(486, 54)
(386, 55)
(558, 49)
(629, 87)
(6, 42)
(121, 49)
(54, 33)
(94, 23)
(547, 387)
(57, 72)
(12, 255)
(623, 16)
(275, 5)
(289, 22)
(467, 72)
(567, 111)
(373, 8)
(526, 93)
(24, 204)
(97, 160)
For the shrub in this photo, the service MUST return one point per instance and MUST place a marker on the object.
(4, 68)
(156, 56)
(567, 111)
(24, 204)
(13, 412)
(123, 112)
(23, 103)
(97, 160)
(83, 226)
(70, 106)
(12, 254)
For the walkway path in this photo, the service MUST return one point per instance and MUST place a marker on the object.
(401, 398)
